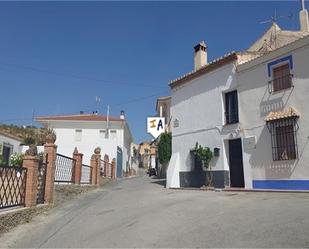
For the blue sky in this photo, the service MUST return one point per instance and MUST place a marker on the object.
(56, 57)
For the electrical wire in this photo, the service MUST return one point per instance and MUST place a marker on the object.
(71, 75)
(91, 110)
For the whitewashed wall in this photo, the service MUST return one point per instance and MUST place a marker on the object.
(199, 107)
(15, 144)
(255, 103)
(90, 139)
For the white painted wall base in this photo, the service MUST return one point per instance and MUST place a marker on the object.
(172, 179)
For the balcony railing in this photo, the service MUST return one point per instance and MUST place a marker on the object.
(231, 117)
(280, 83)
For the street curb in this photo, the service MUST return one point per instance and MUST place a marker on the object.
(246, 190)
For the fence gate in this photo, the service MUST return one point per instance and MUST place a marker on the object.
(12, 186)
(119, 162)
(41, 180)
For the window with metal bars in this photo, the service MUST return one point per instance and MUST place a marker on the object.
(282, 78)
(284, 138)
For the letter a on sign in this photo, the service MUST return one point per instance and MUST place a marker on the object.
(155, 126)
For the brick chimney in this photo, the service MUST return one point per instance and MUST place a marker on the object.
(200, 55)
(303, 18)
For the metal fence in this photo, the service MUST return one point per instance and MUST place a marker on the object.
(12, 186)
(64, 168)
(108, 172)
(85, 174)
(41, 180)
(102, 168)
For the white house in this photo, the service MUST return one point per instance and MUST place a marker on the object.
(9, 144)
(88, 131)
(250, 109)
(273, 98)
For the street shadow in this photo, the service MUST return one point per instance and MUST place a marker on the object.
(159, 181)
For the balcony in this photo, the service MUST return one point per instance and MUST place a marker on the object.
(280, 83)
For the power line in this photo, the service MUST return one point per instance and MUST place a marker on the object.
(70, 75)
(91, 110)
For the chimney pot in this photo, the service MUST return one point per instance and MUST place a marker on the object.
(200, 55)
(122, 115)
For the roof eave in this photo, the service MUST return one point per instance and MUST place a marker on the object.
(208, 68)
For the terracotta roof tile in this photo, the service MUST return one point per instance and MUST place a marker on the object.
(289, 113)
(207, 68)
(10, 136)
(79, 117)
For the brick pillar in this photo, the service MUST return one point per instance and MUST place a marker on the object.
(78, 166)
(50, 152)
(31, 163)
(98, 160)
(93, 164)
(106, 168)
(113, 168)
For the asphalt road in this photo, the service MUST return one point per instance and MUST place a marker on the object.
(140, 212)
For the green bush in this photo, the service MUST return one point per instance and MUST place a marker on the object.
(204, 154)
(165, 148)
(2, 162)
(16, 159)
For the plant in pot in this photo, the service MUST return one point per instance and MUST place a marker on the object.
(204, 154)
(50, 136)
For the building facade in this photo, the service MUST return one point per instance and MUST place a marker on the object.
(273, 92)
(163, 109)
(249, 108)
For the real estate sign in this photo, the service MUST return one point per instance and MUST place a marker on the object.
(155, 126)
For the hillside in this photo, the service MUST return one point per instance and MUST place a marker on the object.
(28, 134)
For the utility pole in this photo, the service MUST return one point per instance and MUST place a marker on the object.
(32, 120)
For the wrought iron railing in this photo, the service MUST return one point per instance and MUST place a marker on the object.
(284, 138)
(85, 174)
(12, 186)
(64, 169)
(102, 168)
(231, 117)
(280, 83)
(106, 170)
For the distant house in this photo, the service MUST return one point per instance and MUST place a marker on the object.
(144, 154)
(9, 144)
(88, 131)
(163, 108)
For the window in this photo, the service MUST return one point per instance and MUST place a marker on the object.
(78, 135)
(102, 133)
(282, 78)
(231, 107)
(283, 138)
(113, 134)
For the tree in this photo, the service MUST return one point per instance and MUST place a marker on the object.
(165, 148)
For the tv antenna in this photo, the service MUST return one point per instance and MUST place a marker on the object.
(275, 18)
(97, 100)
(273, 37)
